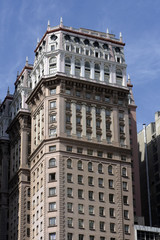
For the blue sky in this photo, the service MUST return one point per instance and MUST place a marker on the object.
(23, 21)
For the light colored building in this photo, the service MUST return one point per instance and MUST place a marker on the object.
(80, 162)
(146, 233)
(151, 133)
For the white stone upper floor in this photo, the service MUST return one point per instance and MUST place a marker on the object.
(80, 53)
(23, 88)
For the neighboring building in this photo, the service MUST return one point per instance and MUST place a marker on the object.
(134, 156)
(70, 153)
(146, 233)
(5, 118)
(19, 132)
(81, 181)
(153, 173)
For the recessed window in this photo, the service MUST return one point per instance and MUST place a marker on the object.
(69, 178)
(52, 236)
(80, 223)
(78, 107)
(90, 167)
(52, 177)
(90, 195)
(126, 214)
(69, 163)
(91, 210)
(126, 229)
(124, 172)
(78, 93)
(52, 206)
(52, 132)
(91, 237)
(70, 222)
(99, 153)
(112, 212)
(69, 236)
(80, 194)
(80, 237)
(102, 226)
(101, 196)
(52, 91)
(111, 198)
(78, 120)
(109, 155)
(97, 97)
(88, 122)
(125, 200)
(52, 162)
(107, 99)
(89, 151)
(125, 186)
(68, 91)
(52, 221)
(52, 192)
(98, 111)
(110, 170)
(68, 105)
(70, 207)
(112, 227)
(79, 150)
(80, 208)
(100, 168)
(110, 183)
(86, 42)
(69, 192)
(100, 182)
(52, 118)
(90, 181)
(53, 104)
(101, 212)
(52, 148)
(69, 148)
(91, 225)
(80, 179)
(88, 95)
(80, 165)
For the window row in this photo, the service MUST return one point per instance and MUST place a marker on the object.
(70, 236)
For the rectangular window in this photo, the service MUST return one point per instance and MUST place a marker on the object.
(90, 181)
(110, 183)
(111, 212)
(78, 107)
(68, 105)
(69, 178)
(52, 118)
(68, 91)
(101, 212)
(99, 153)
(52, 221)
(69, 192)
(89, 152)
(109, 155)
(126, 214)
(126, 229)
(125, 186)
(79, 150)
(112, 227)
(52, 91)
(88, 95)
(125, 200)
(52, 132)
(90, 195)
(80, 223)
(80, 237)
(80, 194)
(111, 198)
(91, 225)
(52, 192)
(100, 182)
(80, 208)
(91, 210)
(70, 222)
(69, 236)
(52, 104)
(101, 196)
(78, 93)
(88, 122)
(70, 207)
(52, 236)
(52, 148)
(78, 120)
(52, 206)
(102, 226)
(69, 149)
(97, 97)
(80, 179)
(52, 177)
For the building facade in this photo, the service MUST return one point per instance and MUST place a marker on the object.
(149, 151)
(70, 152)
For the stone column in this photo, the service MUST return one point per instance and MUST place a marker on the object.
(115, 126)
(92, 70)
(113, 74)
(59, 62)
(73, 118)
(93, 123)
(102, 72)
(124, 82)
(73, 65)
(83, 119)
(82, 68)
(103, 123)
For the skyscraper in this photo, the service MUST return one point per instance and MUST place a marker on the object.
(70, 156)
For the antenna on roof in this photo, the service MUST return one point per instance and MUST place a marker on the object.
(107, 32)
(48, 26)
(61, 22)
(26, 60)
(120, 36)
(8, 92)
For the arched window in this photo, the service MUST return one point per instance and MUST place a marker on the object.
(77, 68)
(52, 65)
(67, 65)
(124, 172)
(97, 71)
(106, 74)
(119, 77)
(87, 70)
(110, 169)
(80, 165)
(52, 162)
(69, 163)
(90, 167)
(100, 168)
